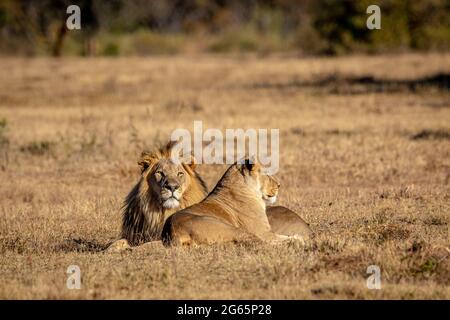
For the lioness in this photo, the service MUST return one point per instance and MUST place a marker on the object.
(234, 210)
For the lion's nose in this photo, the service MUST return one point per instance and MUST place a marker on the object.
(171, 187)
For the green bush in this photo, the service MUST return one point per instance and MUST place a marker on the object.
(263, 26)
(111, 49)
(154, 43)
(405, 24)
(243, 40)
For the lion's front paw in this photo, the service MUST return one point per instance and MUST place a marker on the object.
(118, 246)
(282, 238)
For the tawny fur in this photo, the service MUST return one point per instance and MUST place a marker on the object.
(287, 222)
(234, 210)
(143, 216)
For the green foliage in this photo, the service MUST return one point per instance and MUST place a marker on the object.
(135, 27)
(337, 23)
(263, 33)
(111, 49)
(149, 43)
(243, 40)
(405, 24)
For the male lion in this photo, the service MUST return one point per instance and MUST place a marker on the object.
(233, 211)
(163, 188)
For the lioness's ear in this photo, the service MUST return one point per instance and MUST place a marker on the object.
(250, 164)
(146, 161)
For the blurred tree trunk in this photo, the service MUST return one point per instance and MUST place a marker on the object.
(90, 46)
(59, 41)
(90, 27)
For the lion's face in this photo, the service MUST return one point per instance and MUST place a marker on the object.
(269, 189)
(264, 184)
(166, 180)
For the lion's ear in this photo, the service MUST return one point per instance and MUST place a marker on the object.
(146, 161)
(248, 164)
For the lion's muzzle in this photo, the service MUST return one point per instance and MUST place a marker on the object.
(269, 199)
(171, 195)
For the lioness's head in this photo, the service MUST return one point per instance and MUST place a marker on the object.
(166, 180)
(264, 184)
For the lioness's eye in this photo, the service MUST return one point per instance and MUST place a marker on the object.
(180, 174)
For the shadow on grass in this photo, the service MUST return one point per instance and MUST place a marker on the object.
(429, 134)
(81, 245)
(338, 84)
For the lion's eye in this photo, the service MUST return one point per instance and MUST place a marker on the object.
(159, 174)
(180, 174)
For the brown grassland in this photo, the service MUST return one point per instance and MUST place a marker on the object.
(364, 157)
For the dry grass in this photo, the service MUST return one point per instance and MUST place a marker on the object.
(365, 158)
